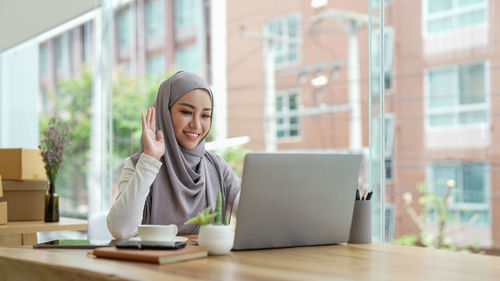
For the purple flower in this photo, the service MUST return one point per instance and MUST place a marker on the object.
(56, 138)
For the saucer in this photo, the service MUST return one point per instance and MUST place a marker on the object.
(176, 239)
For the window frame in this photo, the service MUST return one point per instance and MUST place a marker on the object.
(286, 114)
(456, 207)
(453, 13)
(456, 109)
(388, 58)
(285, 53)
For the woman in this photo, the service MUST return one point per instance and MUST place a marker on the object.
(173, 177)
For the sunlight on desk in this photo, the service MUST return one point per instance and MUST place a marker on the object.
(343, 262)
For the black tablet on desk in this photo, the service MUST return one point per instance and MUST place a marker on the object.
(74, 244)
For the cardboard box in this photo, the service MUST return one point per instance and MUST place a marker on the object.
(3, 212)
(21, 164)
(26, 199)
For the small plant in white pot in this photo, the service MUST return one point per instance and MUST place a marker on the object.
(217, 238)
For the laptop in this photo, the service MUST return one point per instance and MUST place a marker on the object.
(296, 199)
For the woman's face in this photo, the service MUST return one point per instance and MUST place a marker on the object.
(191, 118)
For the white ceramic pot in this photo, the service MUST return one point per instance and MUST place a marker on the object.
(217, 239)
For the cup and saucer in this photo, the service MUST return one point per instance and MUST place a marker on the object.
(154, 232)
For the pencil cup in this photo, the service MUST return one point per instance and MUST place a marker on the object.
(361, 226)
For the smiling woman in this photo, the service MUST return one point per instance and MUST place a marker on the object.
(173, 178)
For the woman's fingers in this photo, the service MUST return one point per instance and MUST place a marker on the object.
(143, 123)
(153, 119)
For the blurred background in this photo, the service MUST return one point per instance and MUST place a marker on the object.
(408, 84)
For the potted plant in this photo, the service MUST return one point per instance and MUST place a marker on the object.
(53, 146)
(217, 238)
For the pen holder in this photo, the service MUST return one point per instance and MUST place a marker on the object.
(361, 226)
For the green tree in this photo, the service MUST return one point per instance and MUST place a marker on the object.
(73, 102)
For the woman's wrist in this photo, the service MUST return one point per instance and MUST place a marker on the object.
(156, 156)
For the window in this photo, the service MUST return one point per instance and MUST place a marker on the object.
(43, 59)
(287, 115)
(388, 141)
(444, 15)
(185, 12)
(154, 17)
(124, 28)
(389, 145)
(286, 49)
(58, 50)
(189, 58)
(388, 54)
(376, 3)
(469, 196)
(155, 65)
(456, 95)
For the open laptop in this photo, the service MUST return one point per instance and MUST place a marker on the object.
(296, 199)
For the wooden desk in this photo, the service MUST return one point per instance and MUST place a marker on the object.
(24, 232)
(336, 262)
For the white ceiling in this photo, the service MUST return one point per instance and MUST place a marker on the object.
(21, 20)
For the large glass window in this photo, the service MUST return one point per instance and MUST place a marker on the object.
(445, 15)
(286, 31)
(155, 18)
(456, 95)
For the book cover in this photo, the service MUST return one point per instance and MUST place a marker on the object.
(153, 256)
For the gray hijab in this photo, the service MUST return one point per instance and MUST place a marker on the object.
(188, 180)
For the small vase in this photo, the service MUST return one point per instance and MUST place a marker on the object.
(217, 239)
(51, 205)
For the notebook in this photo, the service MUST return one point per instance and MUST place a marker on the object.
(296, 199)
(152, 256)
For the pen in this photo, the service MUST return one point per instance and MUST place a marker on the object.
(369, 196)
(357, 193)
(364, 196)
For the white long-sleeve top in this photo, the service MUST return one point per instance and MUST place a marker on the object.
(133, 189)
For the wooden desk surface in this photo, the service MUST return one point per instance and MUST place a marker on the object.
(336, 262)
(15, 227)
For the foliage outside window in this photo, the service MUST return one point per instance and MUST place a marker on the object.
(287, 114)
(456, 95)
(446, 15)
(288, 27)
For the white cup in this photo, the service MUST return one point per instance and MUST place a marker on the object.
(154, 232)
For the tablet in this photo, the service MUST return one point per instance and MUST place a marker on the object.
(151, 245)
(73, 244)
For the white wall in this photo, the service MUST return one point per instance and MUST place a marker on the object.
(19, 94)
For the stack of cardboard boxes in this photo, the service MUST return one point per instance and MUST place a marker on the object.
(24, 184)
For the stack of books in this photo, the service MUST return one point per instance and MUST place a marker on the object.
(152, 256)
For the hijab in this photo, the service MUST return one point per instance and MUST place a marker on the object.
(189, 180)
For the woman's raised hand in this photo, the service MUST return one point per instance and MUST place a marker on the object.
(154, 145)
